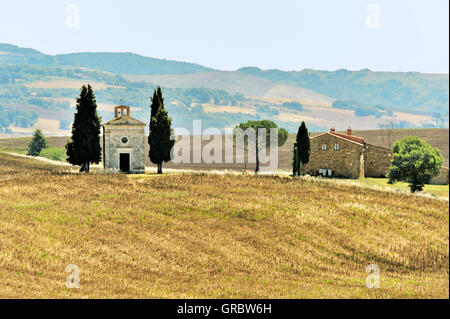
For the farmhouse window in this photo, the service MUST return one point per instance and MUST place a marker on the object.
(336, 147)
(324, 147)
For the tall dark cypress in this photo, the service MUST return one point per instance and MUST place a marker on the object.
(157, 102)
(303, 146)
(84, 146)
(295, 160)
(160, 131)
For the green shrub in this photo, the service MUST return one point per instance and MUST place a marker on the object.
(414, 162)
(37, 143)
(54, 153)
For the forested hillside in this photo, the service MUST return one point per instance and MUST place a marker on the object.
(37, 89)
(125, 63)
(411, 90)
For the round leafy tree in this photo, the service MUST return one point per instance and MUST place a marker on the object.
(260, 140)
(414, 162)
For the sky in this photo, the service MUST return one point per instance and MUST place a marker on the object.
(381, 35)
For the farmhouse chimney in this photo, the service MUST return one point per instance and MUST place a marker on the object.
(349, 131)
(121, 108)
(332, 130)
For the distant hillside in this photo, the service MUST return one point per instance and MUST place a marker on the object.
(39, 90)
(123, 63)
(235, 82)
(11, 54)
(393, 90)
(117, 63)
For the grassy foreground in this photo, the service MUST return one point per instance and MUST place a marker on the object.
(436, 190)
(213, 236)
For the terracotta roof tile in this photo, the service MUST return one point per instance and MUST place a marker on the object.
(349, 137)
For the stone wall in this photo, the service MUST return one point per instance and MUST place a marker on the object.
(135, 146)
(344, 162)
(377, 161)
(442, 178)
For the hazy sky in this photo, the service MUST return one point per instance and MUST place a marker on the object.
(399, 35)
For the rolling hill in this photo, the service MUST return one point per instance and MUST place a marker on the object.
(214, 236)
(39, 90)
(117, 63)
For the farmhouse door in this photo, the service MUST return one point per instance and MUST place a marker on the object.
(124, 162)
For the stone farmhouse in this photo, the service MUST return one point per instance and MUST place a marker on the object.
(345, 155)
(123, 142)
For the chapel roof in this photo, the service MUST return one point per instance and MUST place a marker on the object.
(122, 117)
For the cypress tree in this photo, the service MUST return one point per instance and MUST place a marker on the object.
(295, 160)
(37, 143)
(157, 103)
(160, 132)
(303, 146)
(84, 146)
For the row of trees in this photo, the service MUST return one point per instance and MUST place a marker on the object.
(84, 146)
(414, 161)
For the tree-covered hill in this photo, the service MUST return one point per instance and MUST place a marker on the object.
(393, 90)
(37, 86)
(128, 63)
(118, 63)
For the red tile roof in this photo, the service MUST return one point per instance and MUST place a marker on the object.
(349, 137)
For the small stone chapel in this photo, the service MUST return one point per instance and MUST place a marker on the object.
(123, 142)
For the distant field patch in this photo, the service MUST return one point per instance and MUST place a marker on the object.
(69, 84)
(227, 109)
(51, 127)
(294, 93)
(412, 118)
(294, 117)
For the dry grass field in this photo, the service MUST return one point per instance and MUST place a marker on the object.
(213, 236)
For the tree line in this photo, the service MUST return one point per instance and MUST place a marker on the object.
(414, 161)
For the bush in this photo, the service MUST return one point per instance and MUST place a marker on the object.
(37, 143)
(414, 162)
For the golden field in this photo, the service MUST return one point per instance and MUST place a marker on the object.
(213, 236)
